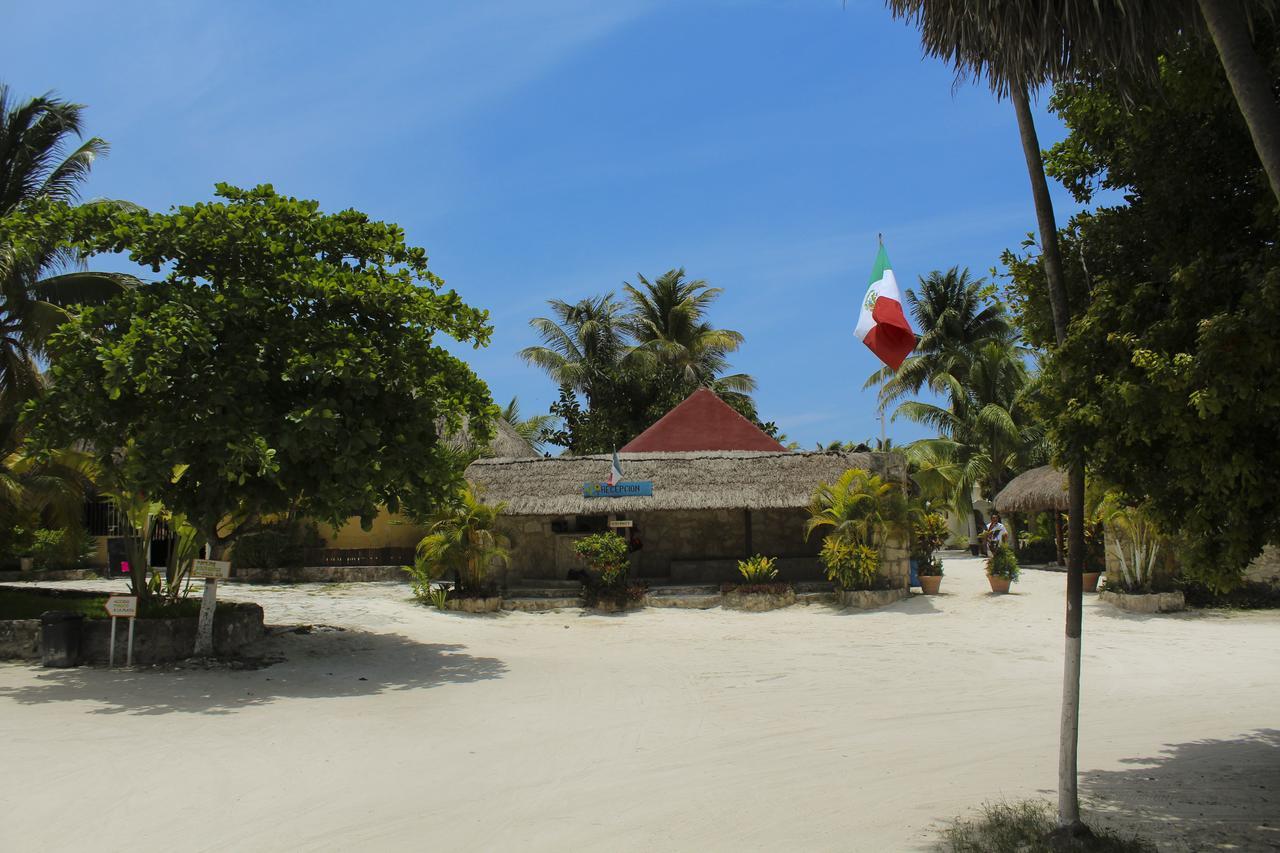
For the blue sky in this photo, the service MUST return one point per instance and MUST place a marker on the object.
(556, 148)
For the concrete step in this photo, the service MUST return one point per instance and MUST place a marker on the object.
(684, 589)
(691, 601)
(539, 604)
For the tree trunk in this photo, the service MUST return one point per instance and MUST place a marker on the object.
(1250, 82)
(1068, 797)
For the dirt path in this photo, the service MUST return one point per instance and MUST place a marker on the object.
(801, 729)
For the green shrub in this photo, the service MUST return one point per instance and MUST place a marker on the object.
(60, 549)
(850, 565)
(1003, 563)
(757, 569)
(606, 557)
(1037, 550)
(424, 573)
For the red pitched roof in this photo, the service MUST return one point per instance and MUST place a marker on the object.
(702, 422)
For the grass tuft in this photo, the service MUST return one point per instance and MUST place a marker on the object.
(1024, 827)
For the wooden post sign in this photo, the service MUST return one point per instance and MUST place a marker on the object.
(621, 522)
(121, 607)
(211, 571)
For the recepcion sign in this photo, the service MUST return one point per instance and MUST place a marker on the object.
(633, 489)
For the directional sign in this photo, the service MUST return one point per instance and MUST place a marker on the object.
(216, 569)
(122, 606)
(622, 522)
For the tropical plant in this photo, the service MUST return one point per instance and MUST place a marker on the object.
(929, 532)
(757, 569)
(667, 321)
(463, 539)
(50, 486)
(851, 565)
(41, 159)
(986, 434)
(1003, 563)
(1135, 541)
(583, 343)
(438, 597)
(533, 429)
(859, 508)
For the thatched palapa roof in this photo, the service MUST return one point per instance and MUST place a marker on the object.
(681, 480)
(1037, 490)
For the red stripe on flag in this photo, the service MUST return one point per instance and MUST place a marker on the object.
(892, 339)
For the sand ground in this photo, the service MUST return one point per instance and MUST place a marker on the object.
(801, 729)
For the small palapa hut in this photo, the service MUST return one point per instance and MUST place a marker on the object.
(1042, 489)
(717, 489)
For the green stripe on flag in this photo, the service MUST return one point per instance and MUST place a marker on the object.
(882, 264)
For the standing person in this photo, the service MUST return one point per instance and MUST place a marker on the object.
(996, 534)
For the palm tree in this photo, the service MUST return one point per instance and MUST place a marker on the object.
(583, 343)
(985, 434)
(955, 315)
(52, 488)
(667, 320)
(463, 539)
(1017, 48)
(531, 429)
(1019, 45)
(40, 161)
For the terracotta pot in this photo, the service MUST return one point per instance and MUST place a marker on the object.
(1091, 581)
(929, 584)
(998, 585)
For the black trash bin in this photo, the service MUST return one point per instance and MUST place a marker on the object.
(60, 638)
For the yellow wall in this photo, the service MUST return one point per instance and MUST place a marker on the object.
(388, 531)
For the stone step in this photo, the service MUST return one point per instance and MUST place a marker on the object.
(691, 601)
(539, 604)
(684, 589)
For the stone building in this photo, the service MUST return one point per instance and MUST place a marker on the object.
(709, 504)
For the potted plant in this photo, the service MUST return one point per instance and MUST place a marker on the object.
(1002, 569)
(760, 588)
(928, 534)
(463, 539)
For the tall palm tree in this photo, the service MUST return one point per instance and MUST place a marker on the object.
(985, 434)
(582, 343)
(41, 159)
(667, 320)
(955, 315)
(1018, 47)
(1019, 44)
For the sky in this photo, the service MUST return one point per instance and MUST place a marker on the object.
(558, 148)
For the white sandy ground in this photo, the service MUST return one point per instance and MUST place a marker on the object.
(800, 729)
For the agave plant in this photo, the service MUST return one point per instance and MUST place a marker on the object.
(1135, 542)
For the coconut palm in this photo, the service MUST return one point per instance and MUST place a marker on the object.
(51, 487)
(531, 429)
(955, 315)
(463, 539)
(41, 159)
(1018, 45)
(582, 343)
(667, 320)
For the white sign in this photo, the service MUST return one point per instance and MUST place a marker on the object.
(622, 522)
(216, 569)
(122, 606)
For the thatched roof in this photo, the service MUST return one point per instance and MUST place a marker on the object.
(506, 444)
(681, 480)
(1037, 490)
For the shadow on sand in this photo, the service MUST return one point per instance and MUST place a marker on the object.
(1207, 794)
(325, 664)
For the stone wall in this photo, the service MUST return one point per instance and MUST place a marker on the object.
(685, 546)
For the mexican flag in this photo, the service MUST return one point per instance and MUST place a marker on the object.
(882, 326)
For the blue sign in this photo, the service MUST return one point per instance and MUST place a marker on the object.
(636, 489)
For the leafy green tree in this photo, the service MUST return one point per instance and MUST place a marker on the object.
(463, 539)
(41, 159)
(1170, 378)
(286, 362)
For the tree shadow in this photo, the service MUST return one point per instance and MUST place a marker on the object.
(1202, 795)
(328, 663)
